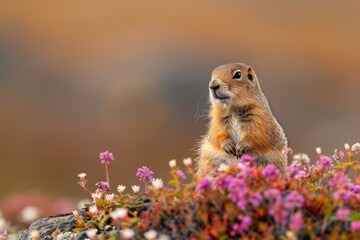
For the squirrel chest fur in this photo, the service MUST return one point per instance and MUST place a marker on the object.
(240, 122)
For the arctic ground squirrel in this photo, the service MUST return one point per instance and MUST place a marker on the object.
(240, 122)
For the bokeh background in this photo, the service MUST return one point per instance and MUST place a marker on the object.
(81, 77)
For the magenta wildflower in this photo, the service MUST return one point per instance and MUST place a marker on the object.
(301, 174)
(343, 195)
(106, 157)
(246, 158)
(204, 185)
(354, 188)
(145, 174)
(278, 212)
(243, 226)
(292, 170)
(338, 180)
(4, 234)
(343, 214)
(355, 226)
(273, 193)
(296, 221)
(181, 174)
(270, 172)
(102, 187)
(324, 164)
(293, 199)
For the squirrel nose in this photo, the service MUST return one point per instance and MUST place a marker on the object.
(214, 85)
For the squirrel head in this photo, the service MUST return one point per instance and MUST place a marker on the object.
(234, 85)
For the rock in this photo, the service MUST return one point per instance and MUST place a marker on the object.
(47, 226)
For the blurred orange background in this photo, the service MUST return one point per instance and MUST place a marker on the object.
(79, 78)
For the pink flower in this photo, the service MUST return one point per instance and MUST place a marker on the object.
(246, 158)
(354, 188)
(243, 226)
(278, 212)
(296, 221)
(204, 185)
(343, 214)
(338, 180)
(106, 157)
(145, 174)
(102, 187)
(273, 193)
(270, 172)
(343, 195)
(355, 226)
(4, 235)
(293, 199)
(323, 164)
(338, 155)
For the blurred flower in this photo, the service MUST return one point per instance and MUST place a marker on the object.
(163, 237)
(293, 199)
(271, 172)
(355, 148)
(338, 155)
(4, 235)
(223, 167)
(135, 189)
(355, 226)
(204, 185)
(246, 158)
(29, 214)
(278, 212)
(273, 193)
(300, 159)
(145, 174)
(128, 233)
(343, 214)
(96, 195)
(119, 213)
(187, 162)
(288, 151)
(172, 163)
(109, 197)
(301, 174)
(338, 180)
(181, 174)
(296, 221)
(93, 209)
(243, 226)
(106, 157)
(102, 187)
(91, 233)
(343, 195)
(318, 150)
(292, 170)
(150, 235)
(157, 183)
(121, 189)
(354, 188)
(324, 164)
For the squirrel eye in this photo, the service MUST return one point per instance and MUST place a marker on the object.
(250, 77)
(237, 75)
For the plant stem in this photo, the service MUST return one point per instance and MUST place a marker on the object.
(107, 176)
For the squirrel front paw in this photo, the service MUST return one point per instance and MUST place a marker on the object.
(229, 146)
(241, 149)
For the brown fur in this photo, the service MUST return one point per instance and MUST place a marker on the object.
(241, 123)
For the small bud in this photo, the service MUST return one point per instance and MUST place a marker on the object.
(121, 189)
(318, 150)
(150, 235)
(347, 147)
(172, 163)
(128, 233)
(223, 167)
(187, 162)
(82, 176)
(135, 189)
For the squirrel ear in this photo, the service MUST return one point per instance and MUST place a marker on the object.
(250, 74)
